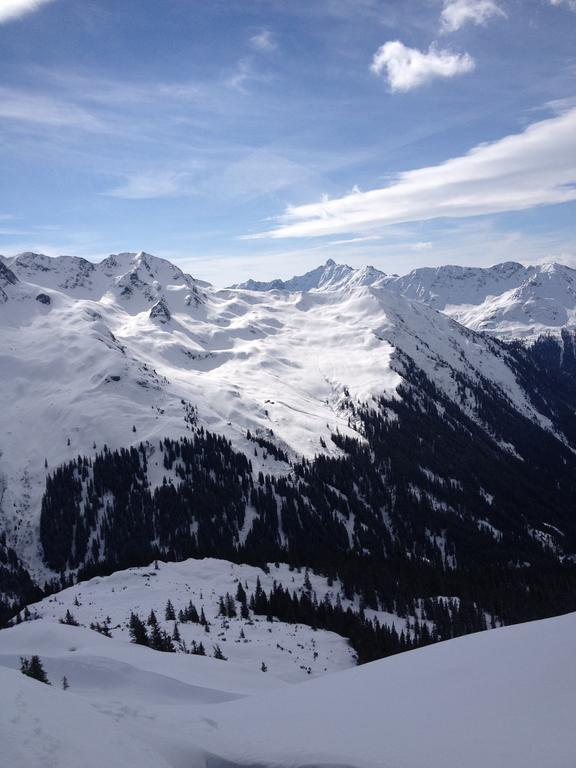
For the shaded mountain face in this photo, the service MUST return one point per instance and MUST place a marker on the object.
(345, 426)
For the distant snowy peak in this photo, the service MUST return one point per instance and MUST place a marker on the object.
(327, 277)
(509, 300)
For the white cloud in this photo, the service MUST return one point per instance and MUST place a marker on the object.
(13, 9)
(153, 184)
(568, 3)
(520, 171)
(407, 68)
(29, 107)
(264, 41)
(458, 13)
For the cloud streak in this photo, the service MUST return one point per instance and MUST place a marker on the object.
(36, 108)
(14, 9)
(408, 68)
(458, 13)
(521, 171)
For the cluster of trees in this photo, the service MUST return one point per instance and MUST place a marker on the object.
(150, 633)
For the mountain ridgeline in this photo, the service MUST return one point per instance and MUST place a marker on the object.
(430, 502)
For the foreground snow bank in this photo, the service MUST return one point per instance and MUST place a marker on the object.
(43, 726)
(503, 699)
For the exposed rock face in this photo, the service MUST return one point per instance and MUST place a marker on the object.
(7, 277)
(160, 312)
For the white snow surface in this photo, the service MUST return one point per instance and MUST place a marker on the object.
(88, 352)
(502, 698)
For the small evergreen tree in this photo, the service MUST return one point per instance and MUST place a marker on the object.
(33, 668)
(138, 632)
(169, 613)
(218, 653)
(69, 619)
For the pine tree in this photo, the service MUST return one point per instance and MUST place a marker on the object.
(33, 668)
(69, 619)
(138, 632)
(169, 613)
(218, 653)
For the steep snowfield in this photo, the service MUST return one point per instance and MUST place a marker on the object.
(291, 652)
(502, 698)
(132, 349)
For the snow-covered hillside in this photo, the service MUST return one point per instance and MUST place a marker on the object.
(132, 349)
(499, 698)
(291, 652)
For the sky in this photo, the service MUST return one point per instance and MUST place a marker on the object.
(258, 138)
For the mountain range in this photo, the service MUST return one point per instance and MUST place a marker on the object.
(365, 407)
(509, 300)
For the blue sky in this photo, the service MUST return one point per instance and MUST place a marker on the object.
(261, 137)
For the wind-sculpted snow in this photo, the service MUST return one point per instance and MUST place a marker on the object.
(498, 698)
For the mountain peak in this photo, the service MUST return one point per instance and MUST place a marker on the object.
(329, 276)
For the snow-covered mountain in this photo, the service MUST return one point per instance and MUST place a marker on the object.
(132, 349)
(327, 277)
(501, 698)
(295, 477)
(508, 300)
(374, 420)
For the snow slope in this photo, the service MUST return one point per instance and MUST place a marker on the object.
(502, 698)
(291, 652)
(42, 726)
(132, 349)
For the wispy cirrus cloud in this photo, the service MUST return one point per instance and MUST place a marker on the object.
(518, 172)
(408, 68)
(150, 185)
(32, 107)
(458, 13)
(14, 9)
(264, 41)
